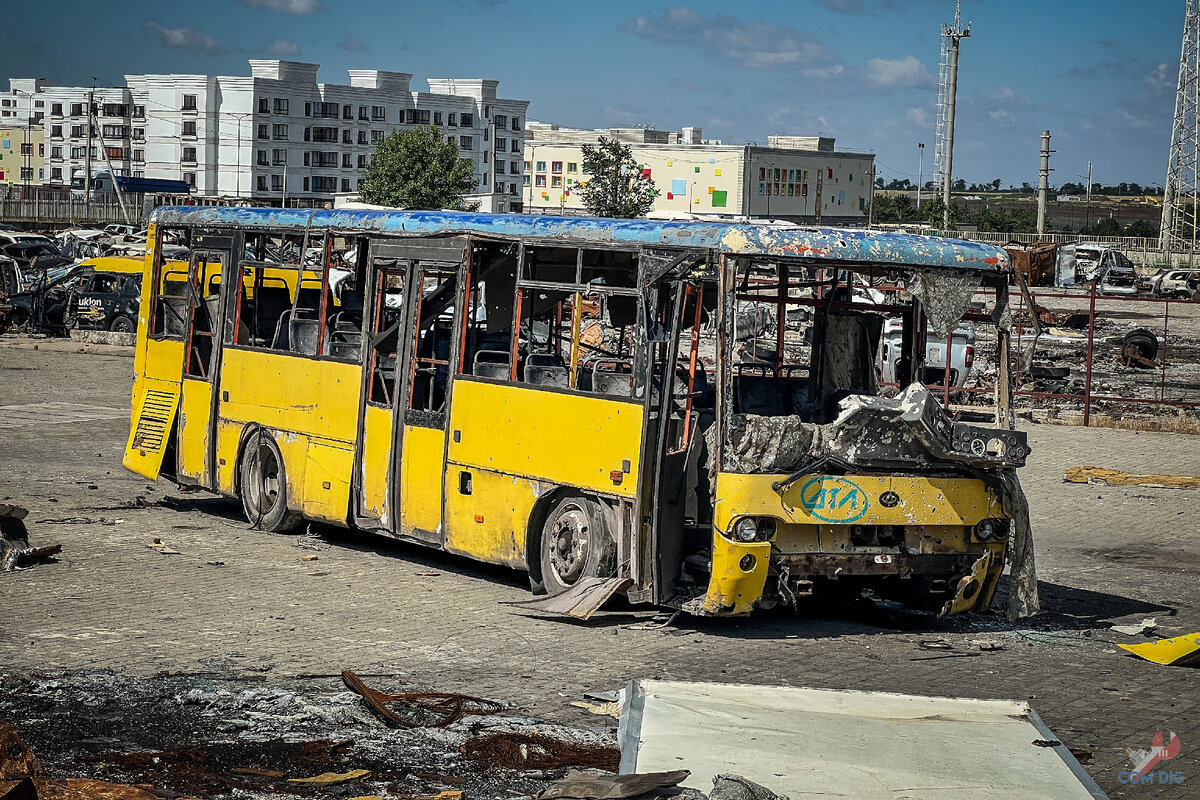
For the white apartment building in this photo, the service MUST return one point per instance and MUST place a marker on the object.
(275, 135)
(793, 178)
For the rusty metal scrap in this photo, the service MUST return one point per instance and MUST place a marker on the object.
(14, 540)
(423, 709)
(522, 751)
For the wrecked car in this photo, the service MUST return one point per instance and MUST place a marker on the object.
(687, 413)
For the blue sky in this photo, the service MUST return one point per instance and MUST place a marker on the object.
(1099, 74)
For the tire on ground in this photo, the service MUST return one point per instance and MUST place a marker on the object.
(576, 543)
(263, 485)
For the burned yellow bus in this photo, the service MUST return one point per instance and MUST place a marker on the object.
(687, 413)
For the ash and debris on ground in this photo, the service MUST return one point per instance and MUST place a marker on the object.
(214, 737)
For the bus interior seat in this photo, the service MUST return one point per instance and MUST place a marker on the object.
(546, 369)
(613, 377)
(770, 396)
(269, 302)
(492, 364)
(303, 335)
(175, 315)
(343, 337)
(282, 331)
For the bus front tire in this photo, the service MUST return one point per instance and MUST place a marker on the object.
(264, 486)
(575, 544)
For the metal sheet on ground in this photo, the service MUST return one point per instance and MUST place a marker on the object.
(850, 744)
(581, 601)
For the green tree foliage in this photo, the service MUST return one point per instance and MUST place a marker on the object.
(418, 169)
(616, 186)
(1143, 228)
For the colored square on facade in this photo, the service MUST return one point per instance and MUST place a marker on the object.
(804, 189)
(697, 169)
(762, 188)
(719, 199)
(717, 171)
(711, 189)
(679, 186)
(670, 163)
(646, 172)
(670, 196)
(712, 161)
(831, 172)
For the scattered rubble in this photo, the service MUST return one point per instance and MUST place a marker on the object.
(15, 549)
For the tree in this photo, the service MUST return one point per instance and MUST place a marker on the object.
(879, 183)
(617, 187)
(1143, 228)
(959, 185)
(418, 169)
(996, 185)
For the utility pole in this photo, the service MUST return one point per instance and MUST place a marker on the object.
(1043, 182)
(947, 92)
(1181, 203)
(1089, 196)
(920, 169)
(87, 154)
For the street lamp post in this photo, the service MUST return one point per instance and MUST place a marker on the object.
(920, 170)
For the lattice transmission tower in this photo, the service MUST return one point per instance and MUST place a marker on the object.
(1180, 218)
(943, 149)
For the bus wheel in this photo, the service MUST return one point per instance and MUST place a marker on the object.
(122, 324)
(264, 486)
(576, 544)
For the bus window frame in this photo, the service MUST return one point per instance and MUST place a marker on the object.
(157, 278)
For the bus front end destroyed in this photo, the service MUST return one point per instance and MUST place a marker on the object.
(803, 504)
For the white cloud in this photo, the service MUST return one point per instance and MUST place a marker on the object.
(287, 6)
(352, 44)
(186, 39)
(907, 71)
(917, 116)
(1160, 79)
(756, 45)
(283, 47)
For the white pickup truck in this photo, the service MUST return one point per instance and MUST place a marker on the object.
(962, 353)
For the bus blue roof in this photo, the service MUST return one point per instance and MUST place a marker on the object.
(821, 244)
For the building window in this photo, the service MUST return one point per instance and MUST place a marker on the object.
(499, 167)
(359, 183)
(452, 118)
(362, 137)
(189, 127)
(189, 102)
(466, 121)
(277, 183)
(346, 136)
(437, 118)
(556, 167)
(541, 166)
(56, 152)
(76, 109)
(540, 180)
(262, 158)
(362, 162)
(139, 112)
(501, 120)
(416, 116)
(279, 157)
(307, 113)
(347, 112)
(485, 179)
(78, 131)
(279, 132)
(26, 148)
(261, 183)
(190, 179)
(139, 134)
(264, 105)
(189, 155)
(281, 105)
(324, 134)
(572, 167)
(56, 109)
(325, 110)
(362, 112)
(486, 131)
(514, 168)
(376, 137)
(56, 131)
(262, 130)
(501, 144)
(26, 173)
(528, 179)
(378, 113)
(347, 160)
(78, 152)
(139, 155)
(516, 123)
(306, 177)
(115, 110)
(322, 183)
(465, 142)
(115, 153)
(516, 146)
(56, 173)
(556, 181)
(345, 184)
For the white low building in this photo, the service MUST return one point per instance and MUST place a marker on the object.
(275, 135)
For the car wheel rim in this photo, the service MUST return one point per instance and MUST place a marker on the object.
(569, 545)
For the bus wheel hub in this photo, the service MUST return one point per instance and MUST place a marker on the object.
(569, 550)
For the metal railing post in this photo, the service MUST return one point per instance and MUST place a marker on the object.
(1087, 388)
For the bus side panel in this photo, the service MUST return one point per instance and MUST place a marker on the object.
(327, 482)
(490, 522)
(377, 450)
(229, 438)
(422, 465)
(155, 401)
(195, 412)
(290, 393)
(554, 437)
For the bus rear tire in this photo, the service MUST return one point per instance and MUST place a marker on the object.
(264, 486)
(575, 544)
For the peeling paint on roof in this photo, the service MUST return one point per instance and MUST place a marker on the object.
(820, 244)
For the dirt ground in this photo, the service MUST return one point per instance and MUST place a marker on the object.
(177, 670)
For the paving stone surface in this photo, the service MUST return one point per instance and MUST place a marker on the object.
(241, 602)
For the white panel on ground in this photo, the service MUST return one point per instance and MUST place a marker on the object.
(848, 744)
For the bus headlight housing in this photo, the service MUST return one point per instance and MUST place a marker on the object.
(753, 529)
(991, 530)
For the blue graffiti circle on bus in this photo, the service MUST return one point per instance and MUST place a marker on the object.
(833, 499)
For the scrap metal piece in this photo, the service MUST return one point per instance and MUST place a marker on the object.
(1180, 651)
(944, 296)
(1114, 477)
(581, 786)
(427, 709)
(580, 601)
(523, 751)
(966, 594)
(331, 778)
